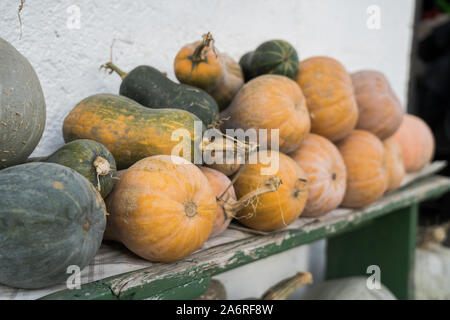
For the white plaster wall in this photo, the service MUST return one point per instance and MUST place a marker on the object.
(67, 60)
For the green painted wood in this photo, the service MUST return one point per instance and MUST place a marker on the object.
(388, 242)
(207, 263)
(188, 291)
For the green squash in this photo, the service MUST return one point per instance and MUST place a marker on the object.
(271, 57)
(89, 158)
(51, 218)
(130, 131)
(22, 107)
(151, 88)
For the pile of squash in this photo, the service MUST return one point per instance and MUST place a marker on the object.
(338, 139)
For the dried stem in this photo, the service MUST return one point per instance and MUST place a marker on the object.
(102, 168)
(231, 206)
(208, 41)
(283, 289)
(111, 67)
(19, 15)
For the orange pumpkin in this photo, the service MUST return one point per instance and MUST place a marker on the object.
(394, 163)
(363, 155)
(416, 141)
(330, 97)
(271, 102)
(199, 64)
(162, 208)
(326, 172)
(380, 111)
(219, 184)
(274, 210)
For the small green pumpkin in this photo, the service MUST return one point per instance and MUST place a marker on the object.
(89, 158)
(151, 88)
(51, 218)
(22, 107)
(271, 57)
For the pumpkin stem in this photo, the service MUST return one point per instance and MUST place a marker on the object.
(284, 288)
(207, 41)
(190, 209)
(102, 168)
(231, 206)
(111, 67)
(220, 198)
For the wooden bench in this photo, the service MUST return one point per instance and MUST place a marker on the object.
(383, 234)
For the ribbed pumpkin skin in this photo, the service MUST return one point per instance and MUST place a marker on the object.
(416, 141)
(219, 183)
(80, 156)
(363, 155)
(51, 217)
(329, 96)
(271, 57)
(161, 210)
(271, 102)
(380, 111)
(327, 176)
(394, 163)
(22, 107)
(150, 88)
(216, 73)
(128, 130)
(275, 210)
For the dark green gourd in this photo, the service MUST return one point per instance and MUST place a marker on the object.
(51, 218)
(151, 88)
(22, 107)
(89, 158)
(271, 57)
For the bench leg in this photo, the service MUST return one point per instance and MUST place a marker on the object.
(388, 242)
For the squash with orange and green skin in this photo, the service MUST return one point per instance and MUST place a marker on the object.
(416, 141)
(274, 210)
(90, 159)
(128, 130)
(271, 102)
(363, 155)
(201, 65)
(394, 163)
(219, 184)
(162, 209)
(329, 96)
(326, 172)
(380, 111)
